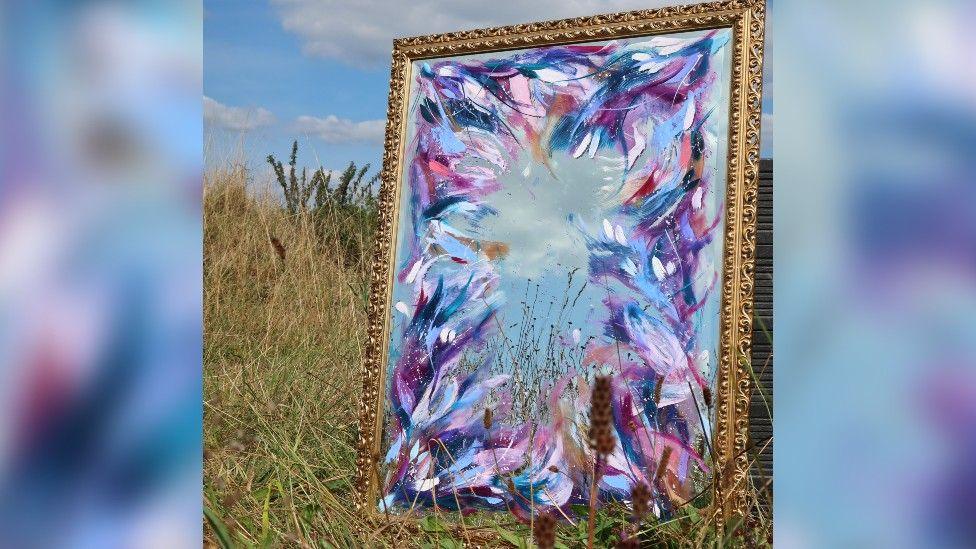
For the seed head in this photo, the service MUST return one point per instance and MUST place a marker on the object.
(545, 531)
(605, 442)
(279, 248)
(629, 542)
(662, 465)
(602, 438)
(487, 418)
(640, 496)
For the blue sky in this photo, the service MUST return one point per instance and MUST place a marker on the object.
(318, 70)
(252, 63)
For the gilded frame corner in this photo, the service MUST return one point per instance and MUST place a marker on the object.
(746, 19)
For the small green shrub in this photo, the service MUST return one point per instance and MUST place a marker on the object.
(352, 189)
(343, 215)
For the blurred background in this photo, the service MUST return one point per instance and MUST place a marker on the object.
(100, 274)
(875, 285)
(104, 107)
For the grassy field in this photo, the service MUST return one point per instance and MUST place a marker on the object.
(284, 317)
(283, 344)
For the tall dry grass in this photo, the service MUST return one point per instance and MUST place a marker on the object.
(283, 345)
(284, 322)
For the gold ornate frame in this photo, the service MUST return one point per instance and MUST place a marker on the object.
(746, 19)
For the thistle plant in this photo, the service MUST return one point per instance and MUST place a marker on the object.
(297, 191)
(341, 207)
(352, 189)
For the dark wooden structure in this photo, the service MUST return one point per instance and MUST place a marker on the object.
(760, 413)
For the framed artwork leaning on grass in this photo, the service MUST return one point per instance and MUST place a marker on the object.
(566, 203)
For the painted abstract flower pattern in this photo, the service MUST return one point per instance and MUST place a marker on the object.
(595, 165)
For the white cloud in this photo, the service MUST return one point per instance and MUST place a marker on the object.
(533, 215)
(363, 32)
(239, 119)
(333, 129)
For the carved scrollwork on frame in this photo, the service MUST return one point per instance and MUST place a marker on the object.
(746, 19)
